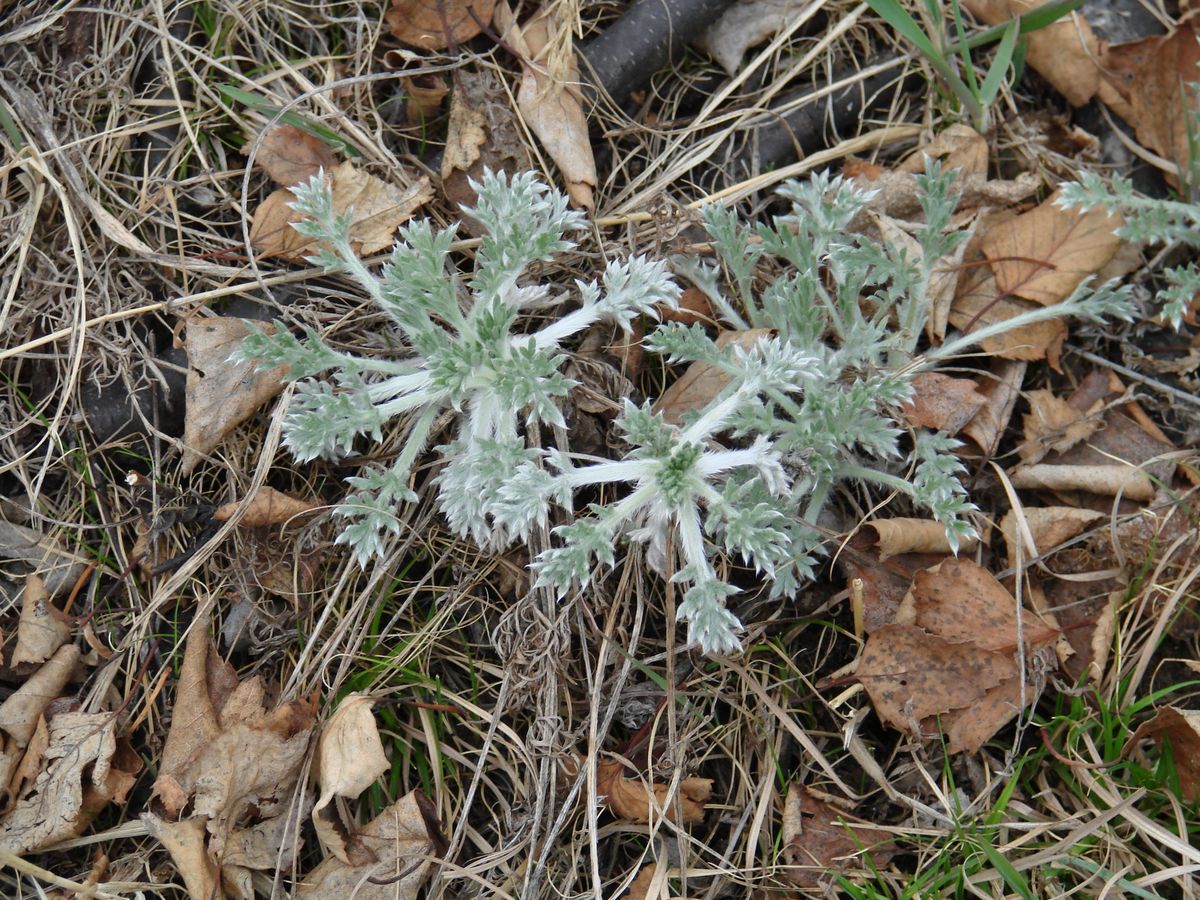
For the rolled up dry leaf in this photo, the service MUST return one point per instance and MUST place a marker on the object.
(1134, 484)
(898, 536)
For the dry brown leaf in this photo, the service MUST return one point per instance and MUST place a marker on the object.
(1182, 728)
(638, 802)
(43, 627)
(943, 403)
(898, 194)
(1108, 480)
(818, 841)
(268, 507)
(220, 394)
(899, 535)
(286, 571)
(978, 302)
(376, 207)
(31, 763)
(289, 155)
(550, 103)
(438, 24)
(1002, 389)
(884, 583)
(402, 838)
(1052, 423)
(700, 381)
(21, 712)
(349, 758)
(1044, 254)
(958, 147)
(694, 308)
(1049, 526)
(1065, 53)
(37, 552)
(744, 25)
(74, 783)
(187, 843)
(425, 93)
(1153, 78)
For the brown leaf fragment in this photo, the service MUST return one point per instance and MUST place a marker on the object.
(943, 403)
(1108, 480)
(290, 155)
(1049, 526)
(899, 535)
(425, 93)
(38, 552)
(31, 763)
(1182, 728)
(268, 507)
(187, 843)
(701, 381)
(744, 25)
(819, 841)
(220, 394)
(22, 711)
(349, 758)
(885, 583)
(438, 24)
(638, 802)
(958, 147)
(694, 308)
(978, 302)
(1054, 424)
(639, 888)
(78, 758)
(401, 838)
(43, 627)
(1044, 254)
(1002, 387)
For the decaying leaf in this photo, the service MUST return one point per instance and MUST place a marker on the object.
(403, 838)
(978, 302)
(1109, 480)
(376, 209)
(1052, 423)
(438, 24)
(269, 507)
(818, 840)
(349, 758)
(220, 394)
(425, 96)
(742, 26)
(1002, 388)
(700, 381)
(1044, 254)
(551, 104)
(43, 627)
(36, 552)
(883, 583)
(1181, 727)
(959, 147)
(943, 403)
(1048, 526)
(900, 535)
(289, 155)
(22, 711)
(639, 802)
(187, 842)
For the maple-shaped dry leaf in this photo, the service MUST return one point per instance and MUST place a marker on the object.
(268, 507)
(187, 842)
(943, 403)
(438, 24)
(701, 381)
(220, 394)
(638, 802)
(1044, 254)
(552, 106)
(1066, 52)
(78, 757)
(21, 712)
(349, 758)
(817, 840)
(979, 302)
(1154, 78)
(1182, 728)
(899, 535)
(376, 209)
(403, 838)
(1052, 423)
(43, 627)
(289, 155)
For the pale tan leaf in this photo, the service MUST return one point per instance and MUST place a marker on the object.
(744, 25)
(268, 507)
(1048, 525)
(1052, 423)
(700, 381)
(636, 801)
(289, 155)
(220, 394)
(900, 535)
(943, 403)
(349, 758)
(187, 842)
(438, 24)
(959, 147)
(1108, 480)
(21, 712)
(43, 627)
(402, 838)
(26, 771)
(1044, 254)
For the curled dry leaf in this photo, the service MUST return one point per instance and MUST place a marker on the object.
(636, 801)
(1182, 728)
(43, 627)
(700, 381)
(958, 147)
(289, 155)
(1109, 480)
(220, 394)
(349, 758)
(817, 840)
(943, 403)
(187, 843)
(21, 712)
(425, 96)
(403, 838)
(899, 535)
(376, 209)
(268, 507)
(1052, 423)
(438, 24)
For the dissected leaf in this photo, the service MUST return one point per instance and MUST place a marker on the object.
(220, 394)
(43, 627)
(349, 758)
(401, 838)
(701, 382)
(438, 24)
(1044, 254)
(636, 801)
(268, 507)
(1052, 423)
(942, 403)
(289, 155)
(818, 841)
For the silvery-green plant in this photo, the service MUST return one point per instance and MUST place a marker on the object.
(1147, 221)
(469, 354)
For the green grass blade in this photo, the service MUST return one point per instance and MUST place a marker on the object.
(1004, 56)
(897, 16)
(1012, 877)
(328, 135)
